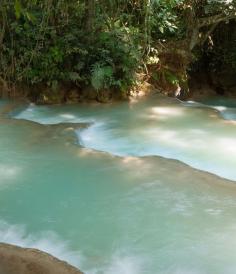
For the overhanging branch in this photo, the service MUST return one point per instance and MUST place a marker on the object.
(207, 21)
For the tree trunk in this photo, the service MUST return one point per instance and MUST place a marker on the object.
(90, 8)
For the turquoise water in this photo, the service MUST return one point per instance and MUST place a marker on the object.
(189, 132)
(226, 106)
(104, 201)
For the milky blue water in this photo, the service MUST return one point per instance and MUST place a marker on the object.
(102, 199)
(187, 131)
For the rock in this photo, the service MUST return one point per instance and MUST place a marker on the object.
(104, 96)
(72, 96)
(88, 93)
(18, 260)
(49, 96)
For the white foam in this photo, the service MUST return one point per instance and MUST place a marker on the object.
(220, 108)
(124, 265)
(50, 242)
(120, 264)
(47, 241)
(167, 128)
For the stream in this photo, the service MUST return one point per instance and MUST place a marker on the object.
(140, 187)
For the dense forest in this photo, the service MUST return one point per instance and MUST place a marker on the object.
(71, 50)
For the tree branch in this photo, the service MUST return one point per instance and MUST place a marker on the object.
(207, 21)
(209, 32)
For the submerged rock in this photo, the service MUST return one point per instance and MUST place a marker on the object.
(18, 260)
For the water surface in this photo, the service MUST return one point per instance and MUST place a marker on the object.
(197, 134)
(104, 201)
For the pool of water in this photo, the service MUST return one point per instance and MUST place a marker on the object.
(104, 200)
(196, 134)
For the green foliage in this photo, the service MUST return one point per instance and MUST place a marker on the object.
(94, 42)
(48, 42)
(18, 9)
(102, 76)
(164, 20)
(116, 55)
(171, 78)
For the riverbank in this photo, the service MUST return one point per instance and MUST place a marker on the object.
(66, 94)
(199, 86)
(71, 96)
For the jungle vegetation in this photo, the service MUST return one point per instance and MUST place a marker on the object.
(91, 46)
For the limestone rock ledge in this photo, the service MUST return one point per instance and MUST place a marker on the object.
(18, 260)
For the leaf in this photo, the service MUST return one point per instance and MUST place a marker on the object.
(18, 9)
(161, 29)
(30, 17)
(171, 78)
